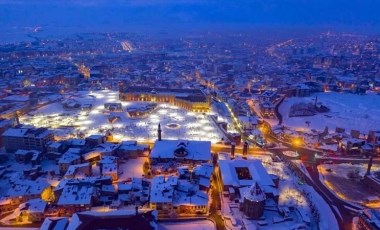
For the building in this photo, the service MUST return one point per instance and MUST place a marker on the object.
(134, 192)
(76, 198)
(268, 96)
(132, 219)
(267, 103)
(301, 90)
(161, 194)
(35, 210)
(173, 196)
(4, 125)
(248, 122)
(24, 156)
(23, 190)
(27, 138)
(55, 223)
(238, 173)
(253, 201)
(78, 170)
(67, 159)
(191, 99)
(131, 149)
(267, 109)
(180, 151)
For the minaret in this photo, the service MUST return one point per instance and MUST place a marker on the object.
(315, 101)
(17, 118)
(369, 165)
(232, 150)
(159, 132)
(245, 150)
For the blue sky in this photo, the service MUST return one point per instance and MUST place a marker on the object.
(156, 12)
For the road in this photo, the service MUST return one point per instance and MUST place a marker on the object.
(342, 210)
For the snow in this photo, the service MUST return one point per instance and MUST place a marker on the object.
(256, 170)
(187, 225)
(132, 168)
(349, 111)
(301, 166)
(327, 218)
(291, 153)
(67, 123)
(196, 150)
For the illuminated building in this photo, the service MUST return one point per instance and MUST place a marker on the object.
(181, 151)
(191, 99)
(29, 139)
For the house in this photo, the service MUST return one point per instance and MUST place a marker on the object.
(132, 219)
(35, 210)
(134, 191)
(67, 159)
(95, 140)
(301, 90)
(57, 147)
(24, 156)
(55, 223)
(161, 194)
(351, 145)
(267, 96)
(202, 175)
(78, 170)
(248, 122)
(76, 198)
(23, 190)
(131, 149)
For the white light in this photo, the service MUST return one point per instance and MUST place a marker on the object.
(93, 112)
(162, 111)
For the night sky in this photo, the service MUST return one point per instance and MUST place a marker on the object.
(153, 13)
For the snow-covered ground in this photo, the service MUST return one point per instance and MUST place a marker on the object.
(187, 225)
(192, 126)
(349, 111)
(132, 168)
(344, 181)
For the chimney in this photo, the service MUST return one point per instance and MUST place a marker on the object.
(369, 166)
(159, 132)
(233, 150)
(137, 210)
(245, 150)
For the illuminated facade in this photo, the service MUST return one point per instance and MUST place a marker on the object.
(190, 99)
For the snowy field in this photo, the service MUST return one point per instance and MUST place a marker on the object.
(68, 123)
(187, 225)
(349, 111)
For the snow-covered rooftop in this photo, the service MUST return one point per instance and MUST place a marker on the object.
(194, 150)
(256, 170)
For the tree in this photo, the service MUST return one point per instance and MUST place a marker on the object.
(146, 168)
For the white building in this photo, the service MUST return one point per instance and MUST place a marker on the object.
(181, 150)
